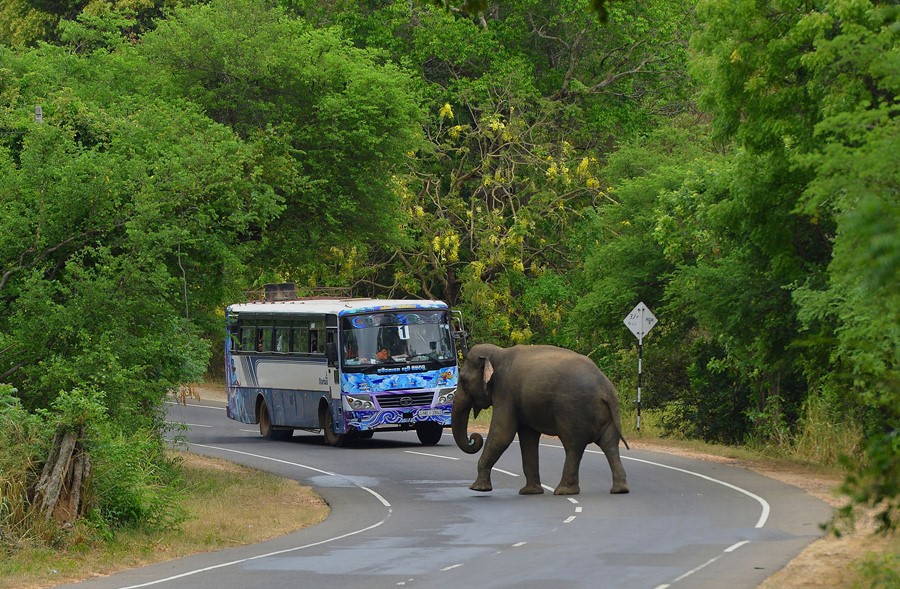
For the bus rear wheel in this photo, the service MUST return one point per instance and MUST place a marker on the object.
(326, 424)
(267, 430)
(429, 432)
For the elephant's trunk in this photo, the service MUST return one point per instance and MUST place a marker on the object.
(459, 419)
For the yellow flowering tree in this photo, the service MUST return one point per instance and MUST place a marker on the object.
(489, 200)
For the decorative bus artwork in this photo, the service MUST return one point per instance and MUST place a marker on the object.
(346, 367)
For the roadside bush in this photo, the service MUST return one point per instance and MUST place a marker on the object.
(23, 445)
(879, 572)
(134, 483)
(823, 437)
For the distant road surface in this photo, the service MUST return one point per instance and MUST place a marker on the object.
(403, 517)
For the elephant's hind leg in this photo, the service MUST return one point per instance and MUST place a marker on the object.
(529, 441)
(568, 485)
(609, 443)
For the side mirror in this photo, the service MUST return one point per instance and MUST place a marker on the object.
(459, 333)
(331, 353)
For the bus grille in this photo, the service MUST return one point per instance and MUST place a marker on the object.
(401, 401)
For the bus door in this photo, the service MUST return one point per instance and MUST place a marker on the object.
(334, 375)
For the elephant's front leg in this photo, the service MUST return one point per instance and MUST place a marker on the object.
(498, 440)
(568, 484)
(529, 441)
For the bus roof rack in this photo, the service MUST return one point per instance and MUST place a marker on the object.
(287, 291)
(284, 291)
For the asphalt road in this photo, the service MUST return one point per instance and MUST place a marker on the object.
(403, 516)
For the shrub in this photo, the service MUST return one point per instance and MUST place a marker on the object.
(23, 445)
(134, 483)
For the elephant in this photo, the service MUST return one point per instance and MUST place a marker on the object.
(537, 390)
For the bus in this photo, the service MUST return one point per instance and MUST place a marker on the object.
(347, 367)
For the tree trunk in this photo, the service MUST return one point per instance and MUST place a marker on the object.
(58, 492)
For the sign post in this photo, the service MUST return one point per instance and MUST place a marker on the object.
(640, 321)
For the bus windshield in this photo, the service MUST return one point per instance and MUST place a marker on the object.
(396, 337)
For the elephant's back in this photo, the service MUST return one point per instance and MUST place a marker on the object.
(563, 393)
(542, 364)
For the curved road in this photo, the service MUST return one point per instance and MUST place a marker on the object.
(403, 516)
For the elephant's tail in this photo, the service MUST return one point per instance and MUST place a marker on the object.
(617, 419)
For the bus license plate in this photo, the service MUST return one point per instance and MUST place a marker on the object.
(430, 412)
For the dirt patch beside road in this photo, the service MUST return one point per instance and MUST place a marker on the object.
(828, 563)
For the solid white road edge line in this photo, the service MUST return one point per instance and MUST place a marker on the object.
(193, 405)
(277, 552)
(764, 515)
(431, 455)
(332, 474)
(512, 474)
(766, 509)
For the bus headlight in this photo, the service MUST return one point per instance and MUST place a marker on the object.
(360, 402)
(446, 396)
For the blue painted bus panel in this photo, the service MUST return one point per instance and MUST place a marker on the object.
(396, 379)
(298, 409)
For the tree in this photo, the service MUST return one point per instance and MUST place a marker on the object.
(857, 182)
(28, 22)
(122, 228)
(810, 95)
(512, 152)
(334, 122)
(600, 7)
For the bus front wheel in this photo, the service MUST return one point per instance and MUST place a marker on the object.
(429, 432)
(326, 424)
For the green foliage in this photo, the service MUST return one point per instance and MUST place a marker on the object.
(134, 483)
(86, 24)
(113, 210)
(477, 6)
(333, 122)
(562, 173)
(879, 571)
(824, 434)
(24, 438)
(124, 218)
(510, 158)
(22, 24)
(807, 94)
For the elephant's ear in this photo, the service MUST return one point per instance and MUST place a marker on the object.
(488, 372)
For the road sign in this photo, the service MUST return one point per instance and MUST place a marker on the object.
(640, 321)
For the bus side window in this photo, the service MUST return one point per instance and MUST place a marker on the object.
(317, 337)
(301, 337)
(264, 337)
(313, 339)
(282, 337)
(248, 338)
